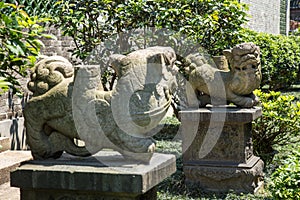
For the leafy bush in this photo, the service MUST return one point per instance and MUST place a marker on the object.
(279, 124)
(37, 7)
(280, 58)
(19, 42)
(213, 24)
(286, 179)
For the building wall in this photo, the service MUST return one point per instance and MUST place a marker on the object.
(284, 17)
(62, 46)
(265, 15)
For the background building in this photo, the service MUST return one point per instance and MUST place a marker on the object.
(295, 14)
(269, 16)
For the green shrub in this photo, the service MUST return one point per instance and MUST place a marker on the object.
(213, 24)
(280, 58)
(37, 7)
(279, 124)
(286, 179)
(19, 42)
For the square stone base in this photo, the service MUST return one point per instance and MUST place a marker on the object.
(218, 149)
(84, 195)
(219, 178)
(106, 175)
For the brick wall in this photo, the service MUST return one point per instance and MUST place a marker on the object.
(63, 46)
(265, 15)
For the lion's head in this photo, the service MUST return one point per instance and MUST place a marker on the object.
(244, 60)
(244, 57)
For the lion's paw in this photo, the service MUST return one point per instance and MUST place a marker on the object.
(151, 148)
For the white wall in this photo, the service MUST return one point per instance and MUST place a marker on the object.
(265, 15)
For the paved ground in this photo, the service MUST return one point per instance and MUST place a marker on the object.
(9, 160)
(9, 193)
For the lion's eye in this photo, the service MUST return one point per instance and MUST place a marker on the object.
(238, 69)
(254, 67)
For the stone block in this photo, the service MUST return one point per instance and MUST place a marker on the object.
(105, 175)
(217, 177)
(4, 144)
(218, 149)
(10, 160)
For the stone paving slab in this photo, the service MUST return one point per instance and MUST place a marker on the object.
(9, 193)
(10, 160)
(4, 144)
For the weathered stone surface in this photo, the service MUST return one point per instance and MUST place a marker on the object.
(230, 114)
(221, 62)
(68, 105)
(219, 178)
(218, 149)
(10, 160)
(106, 175)
(4, 144)
(216, 87)
(9, 193)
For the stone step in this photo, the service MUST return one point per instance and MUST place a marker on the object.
(10, 160)
(4, 144)
(9, 193)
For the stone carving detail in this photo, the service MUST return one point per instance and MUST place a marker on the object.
(223, 178)
(221, 62)
(244, 77)
(145, 76)
(230, 145)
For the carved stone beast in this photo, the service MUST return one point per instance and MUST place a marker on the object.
(216, 86)
(68, 105)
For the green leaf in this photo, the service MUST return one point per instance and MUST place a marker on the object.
(49, 36)
(13, 49)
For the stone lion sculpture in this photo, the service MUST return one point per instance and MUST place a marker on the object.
(70, 104)
(215, 86)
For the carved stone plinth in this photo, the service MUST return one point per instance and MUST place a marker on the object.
(218, 150)
(106, 175)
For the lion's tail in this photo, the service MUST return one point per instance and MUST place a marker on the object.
(49, 72)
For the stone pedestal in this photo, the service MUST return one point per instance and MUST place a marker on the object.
(105, 175)
(218, 150)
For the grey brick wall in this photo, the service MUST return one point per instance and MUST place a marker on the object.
(265, 15)
(63, 46)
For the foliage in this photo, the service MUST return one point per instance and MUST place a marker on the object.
(19, 42)
(213, 24)
(279, 124)
(286, 179)
(296, 32)
(280, 58)
(37, 7)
